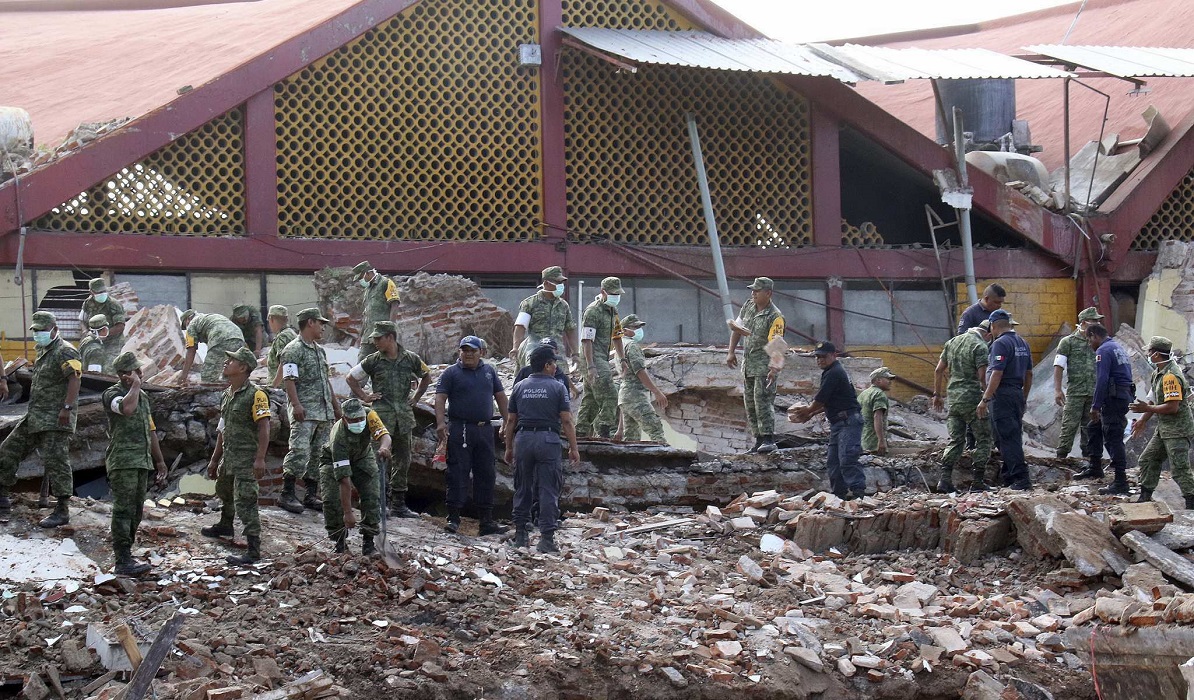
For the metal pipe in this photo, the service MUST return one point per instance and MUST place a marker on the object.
(1065, 91)
(964, 214)
(719, 268)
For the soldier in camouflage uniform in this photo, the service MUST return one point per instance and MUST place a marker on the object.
(763, 322)
(100, 350)
(381, 303)
(99, 302)
(964, 358)
(248, 319)
(1076, 359)
(634, 396)
(133, 452)
(600, 327)
(544, 315)
(347, 460)
(308, 386)
(49, 420)
(239, 458)
(1175, 425)
(221, 336)
(279, 325)
(392, 371)
(875, 405)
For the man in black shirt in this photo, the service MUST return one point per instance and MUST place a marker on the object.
(839, 402)
(992, 300)
(560, 375)
(539, 410)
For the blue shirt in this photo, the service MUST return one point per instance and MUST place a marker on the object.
(560, 376)
(1010, 353)
(470, 392)
(1112, 369)
(538, 401)
(971, 317)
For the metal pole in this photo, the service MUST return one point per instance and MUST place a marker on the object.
(964, 214)
(707, 203)
(1065, 91)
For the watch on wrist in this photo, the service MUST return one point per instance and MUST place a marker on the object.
(67, 406)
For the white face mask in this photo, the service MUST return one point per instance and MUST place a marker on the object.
(613, 300)
(558, 291)
(363, 282)
(41, 338)
(101, 297)
(357, 427)
(638, 335)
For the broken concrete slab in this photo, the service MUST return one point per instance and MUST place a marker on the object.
(1172, 565)
(1045, 526)
(1137, 663)
(1179, 534)
(1148, 517)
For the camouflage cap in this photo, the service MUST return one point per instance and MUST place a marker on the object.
(187, 316)
(42, 321)
(361, 268)
(611, 285)
(243, 355)
(353, 408)
(882, 373)
(97, 321)
(279, 311)
(1090, 313)
(126, 362)
(312, 313)
(555, 273)
(762, 283)
(1159, 343)
(632, 321)
(985, 324)
(97, 285)
(381, 328)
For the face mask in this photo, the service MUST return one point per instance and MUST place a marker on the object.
(363, 282)
(638, 335)
(357, 427)
(101, 298)
(102, 335)
(558, 291)
(41, 338)
(613, 300)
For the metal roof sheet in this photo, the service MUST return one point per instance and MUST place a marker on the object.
(894, 65)
(1124, 61)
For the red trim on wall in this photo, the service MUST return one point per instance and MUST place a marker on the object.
(261, 171)
(551, 97)
(827, 179)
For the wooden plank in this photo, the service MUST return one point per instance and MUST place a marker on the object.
(656, 526)
(129, 643)
(1172, 565)
(98, 683)
(148, 670)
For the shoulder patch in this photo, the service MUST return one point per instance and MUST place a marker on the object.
(392, 292)
(1171, 388)
(260, 406)
(73, 367)
(777, 328)
(377, 429)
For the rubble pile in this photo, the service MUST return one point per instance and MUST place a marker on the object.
(82, 135)
(154, 334)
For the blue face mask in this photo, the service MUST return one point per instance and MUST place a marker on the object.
(558, 291)
(638, 335)
(41, 338)
(101, 298)
(613, 300)
(357, 427)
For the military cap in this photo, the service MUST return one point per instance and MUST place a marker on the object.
(244, 355)
(97, 321)
(985, 324)
(42, 321)
(555, 273)
(126, 362)
(1001, 315)
(632, 321)
(353, 408)
(762, 283)
(187, 316)
(611, 285)
(312, 313)
(825, 348)
(470, 341)
(279, 311)
(97, 285)
(542, 353)
(381, 328)
(1159, 343)
(361, 268)
(550, 342)
(1090, 313)
(882, 373)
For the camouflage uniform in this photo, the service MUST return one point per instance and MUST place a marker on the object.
(221, 336)
(380, 295)
(599, 406)
(635, 400)
(129, 461)
(964, 355)
(393, 379)
(98, 354)
(109, 307)
(281, 340)
(310, 377)
(1172, 436)
(348, 455)
(237, 484)
(1080, 385)
(39, 429)
(248, 319)
(871, 400)
(550, 318)
(758, 395)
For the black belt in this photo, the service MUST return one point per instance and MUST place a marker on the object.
(523, 429)
(840, 416)
(469, 422)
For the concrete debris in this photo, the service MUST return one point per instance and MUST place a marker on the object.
(32, 159)
(1173, 565)
(153, 334)
(1045, 526)
(1149, 517)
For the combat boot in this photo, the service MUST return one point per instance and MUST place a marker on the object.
(521, 536)
(251, 556)
(945, 485)
(341, 541)
(220, 529)
(1189, 502)
(287, 501)
(1118, 487)
(547, 543)
(978, 482)
(398, 507)
(768, 446)
(311, 498)
(489, 526)
(453, 524)
(1146, 495)
(60, 516)
(368, 549)
(755, 449)
(127, 566)
(5, 502)
(604, 431)
(1093, 471)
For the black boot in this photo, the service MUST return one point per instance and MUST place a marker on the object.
(547, 543)
(311, 498)
(453, 525)
(489, 526)
(367, 547)
(1118, 487)
(1093, 471)
(945, 485)
(398, 507)
(521, 536)
(341, 541)
(604, 431)
(978, 482)
(127, 566)
(5, 502)
(251, 556)
(287, 501)
(768, 445)
(755, 449)
(1146, 495)
(220, 529)
(60, 516)
(1189, 502)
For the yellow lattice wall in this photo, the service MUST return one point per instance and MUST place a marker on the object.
(1173, 221)
(424, 128)
(194, 186)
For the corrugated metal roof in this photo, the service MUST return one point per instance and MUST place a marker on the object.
(889, 65)
(1124, 61)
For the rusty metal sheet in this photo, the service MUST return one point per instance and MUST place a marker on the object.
(1124, 61)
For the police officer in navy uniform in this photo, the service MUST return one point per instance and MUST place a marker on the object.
(1113, 393)
(838, 400)
(1008, 383)
(539, 412)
